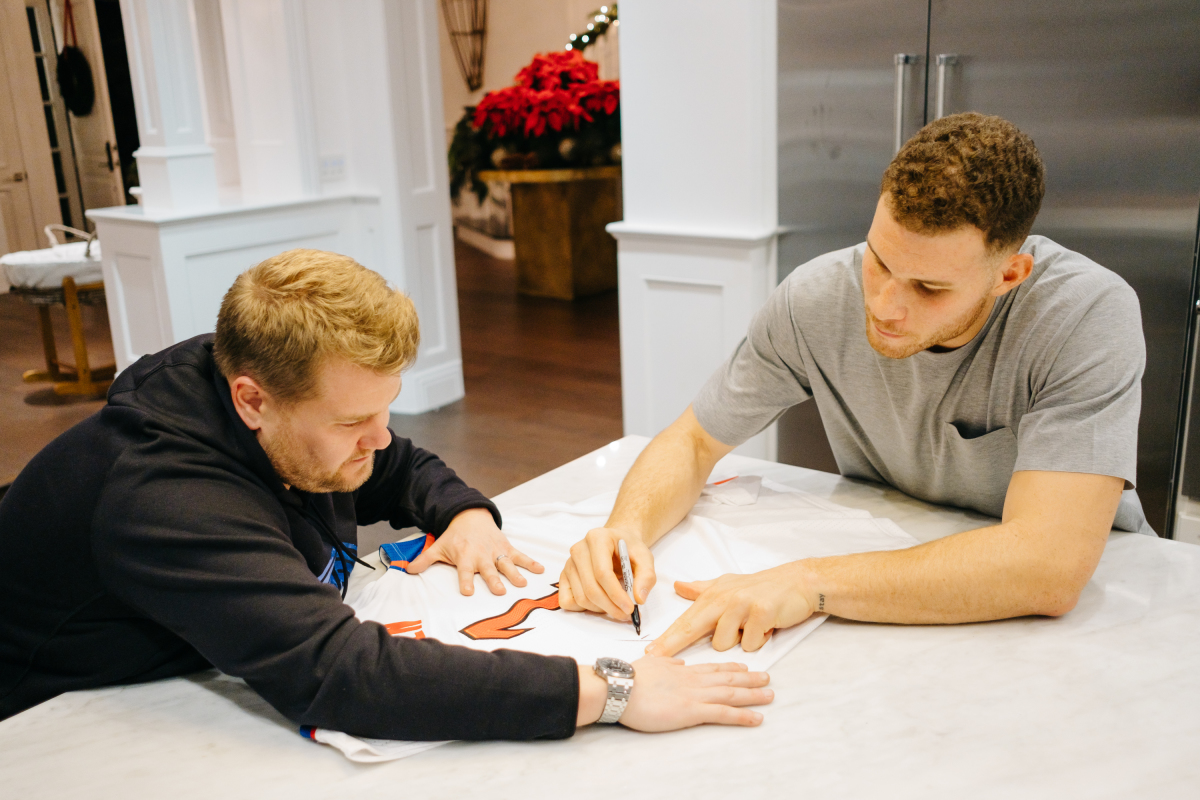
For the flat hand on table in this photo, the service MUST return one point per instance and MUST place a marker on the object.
(474, 544)
(736, 607)
(591, 579)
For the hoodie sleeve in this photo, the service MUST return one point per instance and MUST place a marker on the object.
(200, 548)
(411, 487)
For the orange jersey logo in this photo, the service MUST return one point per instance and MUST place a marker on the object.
(501, 625)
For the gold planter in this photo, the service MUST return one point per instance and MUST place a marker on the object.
(558, 219)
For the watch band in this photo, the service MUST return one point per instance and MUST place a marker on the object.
(618, 698)
(619, 689)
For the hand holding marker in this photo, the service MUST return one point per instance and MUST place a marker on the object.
(627, 575)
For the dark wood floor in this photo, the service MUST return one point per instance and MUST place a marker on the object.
(31, 414)
(543, 381)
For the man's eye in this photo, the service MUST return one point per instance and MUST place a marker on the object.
(923, 289)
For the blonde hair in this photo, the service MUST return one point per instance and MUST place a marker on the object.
(283, 318)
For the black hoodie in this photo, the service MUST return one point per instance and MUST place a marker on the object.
(154, 539)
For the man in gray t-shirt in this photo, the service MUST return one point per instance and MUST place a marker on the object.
(952, 356)
(1051, 382)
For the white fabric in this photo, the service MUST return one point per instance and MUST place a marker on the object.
(45, 269)
(369, 751)
(739, 491)
(782, 524)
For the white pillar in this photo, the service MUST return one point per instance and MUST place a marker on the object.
(266, 47)
(696, 250)
(418, 184)
(175, 164)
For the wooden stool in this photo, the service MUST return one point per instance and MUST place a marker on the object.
(79, 378)
(34, 275)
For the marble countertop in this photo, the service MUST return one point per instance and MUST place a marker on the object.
(1102, 702)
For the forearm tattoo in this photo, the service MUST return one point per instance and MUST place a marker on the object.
(820, 602)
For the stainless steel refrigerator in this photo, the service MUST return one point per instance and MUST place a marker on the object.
(1110, 92)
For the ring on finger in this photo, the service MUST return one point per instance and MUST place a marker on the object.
(497, 559)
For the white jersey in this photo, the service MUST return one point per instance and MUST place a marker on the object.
(740, 525)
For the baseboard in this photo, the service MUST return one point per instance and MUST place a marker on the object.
(496, 248)
(427, 389)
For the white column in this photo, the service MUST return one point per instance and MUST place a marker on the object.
(418, 184)
(696, 250)
(266, 49)
(175, 164)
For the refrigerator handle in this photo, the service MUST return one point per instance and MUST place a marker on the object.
(944, 60)
(903, 60)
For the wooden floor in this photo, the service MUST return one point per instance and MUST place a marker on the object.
(543, 381)
(31, 414)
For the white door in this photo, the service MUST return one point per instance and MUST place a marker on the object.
(29, 197)
(94, 138)
(17, 229)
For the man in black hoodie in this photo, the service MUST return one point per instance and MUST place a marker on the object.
(207, 516)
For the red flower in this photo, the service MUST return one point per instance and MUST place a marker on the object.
(503, 110)
(599, 96)
(557, 70)
(554, 91)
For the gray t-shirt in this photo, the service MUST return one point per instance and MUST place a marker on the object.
(1052, 382)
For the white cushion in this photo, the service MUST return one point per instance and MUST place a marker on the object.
(45, 269)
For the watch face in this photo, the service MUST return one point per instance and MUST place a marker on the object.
(615, 666)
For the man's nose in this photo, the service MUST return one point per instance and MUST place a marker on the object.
(886, 304)
(377, 437)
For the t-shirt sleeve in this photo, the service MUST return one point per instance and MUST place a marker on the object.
(1086, 395)
(764, 377)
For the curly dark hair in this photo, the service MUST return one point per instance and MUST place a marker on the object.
(968, 169)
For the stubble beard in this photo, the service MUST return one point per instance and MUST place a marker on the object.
(299, 468)
(904, 348)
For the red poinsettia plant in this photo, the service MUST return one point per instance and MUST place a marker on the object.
(557, 114)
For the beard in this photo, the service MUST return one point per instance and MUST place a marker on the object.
(903, 348)
(297, 466)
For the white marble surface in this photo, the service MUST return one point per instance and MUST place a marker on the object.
(1103, 702)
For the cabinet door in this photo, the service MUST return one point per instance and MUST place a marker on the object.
(838, 90)
(1108, 91)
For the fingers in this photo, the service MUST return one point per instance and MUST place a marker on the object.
(757, 628)
(642, 563)
(711, 667)
(695, 623)
(423, 561)
(487, 571)
(604, 560)
(508, 569)
(737, 679)
(728, 630)
(567, 595)
(587, 587)
(728, 715)
(692, 589)
(466, 579)
(525, 562)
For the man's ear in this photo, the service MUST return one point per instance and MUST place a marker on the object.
(248, 400)
(1013, 272)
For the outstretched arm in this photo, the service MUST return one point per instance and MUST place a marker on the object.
(660, 489)
(1036, 561)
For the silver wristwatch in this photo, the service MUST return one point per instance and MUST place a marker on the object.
(619, 675)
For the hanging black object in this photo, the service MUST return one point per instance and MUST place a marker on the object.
(74, 75)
